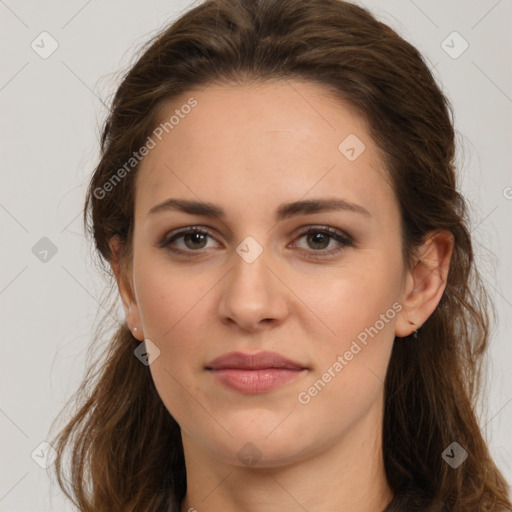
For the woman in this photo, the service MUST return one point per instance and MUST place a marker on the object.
(276, 200)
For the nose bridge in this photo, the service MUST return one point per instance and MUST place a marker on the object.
(251, 291)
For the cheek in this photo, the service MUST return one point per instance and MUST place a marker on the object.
(169, 297)
(359, 305)
(350, 299)
(351, 365)
(172, 306)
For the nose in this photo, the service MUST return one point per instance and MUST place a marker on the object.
(253, 297)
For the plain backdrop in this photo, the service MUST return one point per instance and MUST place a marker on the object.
(51, 114)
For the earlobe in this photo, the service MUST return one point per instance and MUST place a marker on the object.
(425, 282)
(131, 310)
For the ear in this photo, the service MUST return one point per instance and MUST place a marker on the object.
(425, 282)
(122, 273)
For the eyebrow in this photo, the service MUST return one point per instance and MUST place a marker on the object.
(284, 211)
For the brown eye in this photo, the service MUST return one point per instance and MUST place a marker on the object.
(318, 240)
(195, 240)
(189, 240)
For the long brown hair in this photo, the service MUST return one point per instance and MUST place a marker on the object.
(125, 448)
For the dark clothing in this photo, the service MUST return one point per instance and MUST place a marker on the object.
(413, 501)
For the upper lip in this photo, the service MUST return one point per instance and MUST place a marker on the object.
(257, 361)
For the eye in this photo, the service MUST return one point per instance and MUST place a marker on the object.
(320, 237)
(193, 239)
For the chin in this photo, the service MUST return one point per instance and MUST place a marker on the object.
(253, 447)
(258, 454)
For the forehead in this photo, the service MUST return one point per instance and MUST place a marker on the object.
(254, 145)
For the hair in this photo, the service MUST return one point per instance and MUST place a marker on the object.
(125, 448)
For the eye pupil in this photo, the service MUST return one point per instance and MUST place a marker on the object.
(319, 238)
(196, 238)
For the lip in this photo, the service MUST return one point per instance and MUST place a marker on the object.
(256, 361)
(254, 373)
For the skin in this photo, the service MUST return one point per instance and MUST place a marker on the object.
(248, 149)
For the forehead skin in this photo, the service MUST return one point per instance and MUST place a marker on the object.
(252, 147)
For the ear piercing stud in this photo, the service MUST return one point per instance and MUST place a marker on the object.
(415, 332)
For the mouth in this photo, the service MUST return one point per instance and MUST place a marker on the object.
(254, 373)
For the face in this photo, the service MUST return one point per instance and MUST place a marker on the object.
(272, 270)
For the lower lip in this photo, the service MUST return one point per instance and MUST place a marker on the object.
(255, 381)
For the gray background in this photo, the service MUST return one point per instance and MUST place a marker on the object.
(50, 124)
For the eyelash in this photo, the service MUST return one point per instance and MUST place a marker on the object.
(344, 240)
